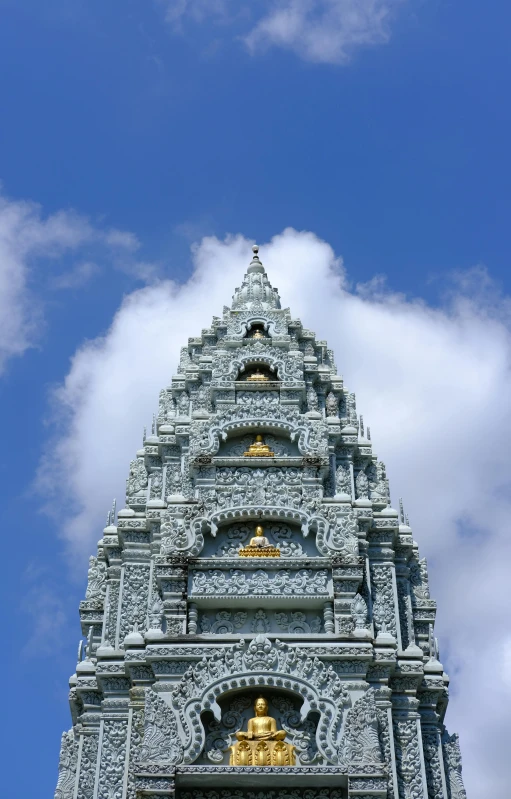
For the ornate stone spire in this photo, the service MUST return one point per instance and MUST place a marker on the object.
(287, 543)
(256, 291)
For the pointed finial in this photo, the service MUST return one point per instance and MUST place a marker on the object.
(368, 433)
(361, 425)
(407, 520)
(255, 263)
(401, 511)
(89, 642)
(145, 434)
(80, 651)
(153, 426)
(111, 515)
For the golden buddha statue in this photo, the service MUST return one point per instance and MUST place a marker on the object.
(262, 744)
(257, 376)
(259, 546)
(259, 449)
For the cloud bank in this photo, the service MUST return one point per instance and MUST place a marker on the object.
(433, 384)
(49, 251)
(322, 31)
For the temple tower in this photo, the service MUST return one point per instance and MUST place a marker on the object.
(258, 618)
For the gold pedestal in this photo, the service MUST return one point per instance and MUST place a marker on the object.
(262, 753)
(259, 552)
(257, 377)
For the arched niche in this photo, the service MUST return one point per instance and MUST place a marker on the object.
(257, 330)
(283, 533)
(238, 442)
(256, 372)
(237, 707)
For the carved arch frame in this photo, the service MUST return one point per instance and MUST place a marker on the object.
(287, 367)
(301, 431)
(210, 524)
(275, 323)
(192, 730)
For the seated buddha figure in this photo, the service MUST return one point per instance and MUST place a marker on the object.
(259, 449)
(259, 546)
(262, 744)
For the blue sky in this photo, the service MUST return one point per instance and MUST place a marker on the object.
(132, 130)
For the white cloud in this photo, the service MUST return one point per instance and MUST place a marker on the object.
(324, 31)
(434, 386)
(32, 245)
(75, 278)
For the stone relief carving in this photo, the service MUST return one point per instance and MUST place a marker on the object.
(296, 623)
(137, 734)
(378, 483)
(301, 733)
(220, 734)
(431, 748)
(408, 759)
(360, 742)
(258, 583)
(343, 479)
(225, 622)
(137, 480)
(155, 612)
(167, 405)
(362, 485)
(259, 621)
(383, 598)
(339, 537)
(156, 477)
(331, 404)
(419, 579)
(113, 756)
(452, 761)
(96, 580)
(135, 595)
(202, 399)
(161, 742)
(67, 766)
(111, 612)
(174, 479)
(88, 759)
(312, 399)
(384, 733)
(359, 612)
(181, 533)
(183, 403)
(256, 399)
(405, 613)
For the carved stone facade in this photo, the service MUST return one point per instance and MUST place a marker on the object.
(335, 630)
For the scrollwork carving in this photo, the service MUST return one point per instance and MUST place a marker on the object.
(67, 766)
(259, 582)
(161, 742)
